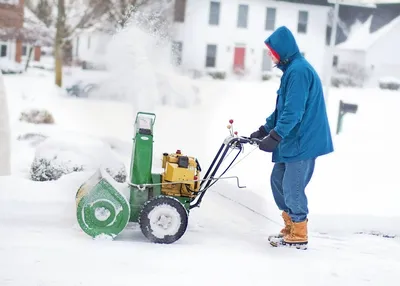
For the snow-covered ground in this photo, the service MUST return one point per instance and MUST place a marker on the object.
(354, 190)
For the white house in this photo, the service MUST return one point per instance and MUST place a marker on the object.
(228, 35)
(375, 52)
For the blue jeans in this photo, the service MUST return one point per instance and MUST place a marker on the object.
(288, 183)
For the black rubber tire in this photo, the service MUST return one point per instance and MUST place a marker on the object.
(177, 208)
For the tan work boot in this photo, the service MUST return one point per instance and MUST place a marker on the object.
(298, 233)
(288, 224)
(285, 230)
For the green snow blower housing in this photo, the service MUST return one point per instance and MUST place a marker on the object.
(159, 202)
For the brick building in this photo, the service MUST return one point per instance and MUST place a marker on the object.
(19, 31)
(11, 22)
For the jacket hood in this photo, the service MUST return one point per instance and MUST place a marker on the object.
(283, 43)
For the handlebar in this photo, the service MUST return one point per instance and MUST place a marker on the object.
(252, 141)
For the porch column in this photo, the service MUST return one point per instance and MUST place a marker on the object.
(18, 51)
(37, 54)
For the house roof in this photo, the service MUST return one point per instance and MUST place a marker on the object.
(360, 37)
(309, 2)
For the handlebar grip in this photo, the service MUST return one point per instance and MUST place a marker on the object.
(249, 140)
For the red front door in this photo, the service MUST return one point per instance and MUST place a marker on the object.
(239, 57)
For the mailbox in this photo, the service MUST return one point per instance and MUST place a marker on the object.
(343, 109)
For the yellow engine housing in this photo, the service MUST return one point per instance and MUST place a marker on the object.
(183, 170)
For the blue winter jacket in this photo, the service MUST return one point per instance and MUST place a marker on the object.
(300, 117)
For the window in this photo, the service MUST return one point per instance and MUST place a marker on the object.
(303, 21)
(77, 46)
(211, 56)
(177, 53)
(335, 61)
(179, 10)
(242, 16)
(213, 18)
(266, 62)
(328, 35)
(3, 51)
(270, 19)
(24, 50)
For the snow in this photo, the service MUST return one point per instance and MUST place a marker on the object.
(102, 214)
(353, 196)
(389, 79)
(360, 38)
(67, 154)
(9, 66)
(354, 190)
(5, 140)
(165, 220)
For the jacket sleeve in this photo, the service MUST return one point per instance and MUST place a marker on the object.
(270, 122)
(297, 91)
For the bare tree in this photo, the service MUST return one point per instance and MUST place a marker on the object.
(59, 39)
(5, 144)
(71, 19)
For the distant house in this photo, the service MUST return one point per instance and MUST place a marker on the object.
(374, 54)
(228, 36)
(19, 30)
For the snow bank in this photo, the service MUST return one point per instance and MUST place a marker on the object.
(56, 157)
(389, 82)
(5, 143)
(10, 67)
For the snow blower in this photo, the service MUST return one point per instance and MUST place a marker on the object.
(159, 202)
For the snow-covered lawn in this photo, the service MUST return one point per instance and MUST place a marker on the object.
(354, 190)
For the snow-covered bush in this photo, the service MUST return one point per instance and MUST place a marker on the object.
(390, 83)
(56, 157)
(349, 75)
(37, 116)
(267, 75)
(217, 74)
(10, 67)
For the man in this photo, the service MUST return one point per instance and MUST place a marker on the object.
(297, 132)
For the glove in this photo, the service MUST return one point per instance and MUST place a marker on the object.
(269, 143)
(260, 133)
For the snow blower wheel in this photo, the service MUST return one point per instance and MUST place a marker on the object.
(163, 220)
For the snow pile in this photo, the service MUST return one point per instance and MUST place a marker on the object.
(55, 157)
(5, 142)
(389, 82)
(37, 116)
(10, 67)
(34, 139)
